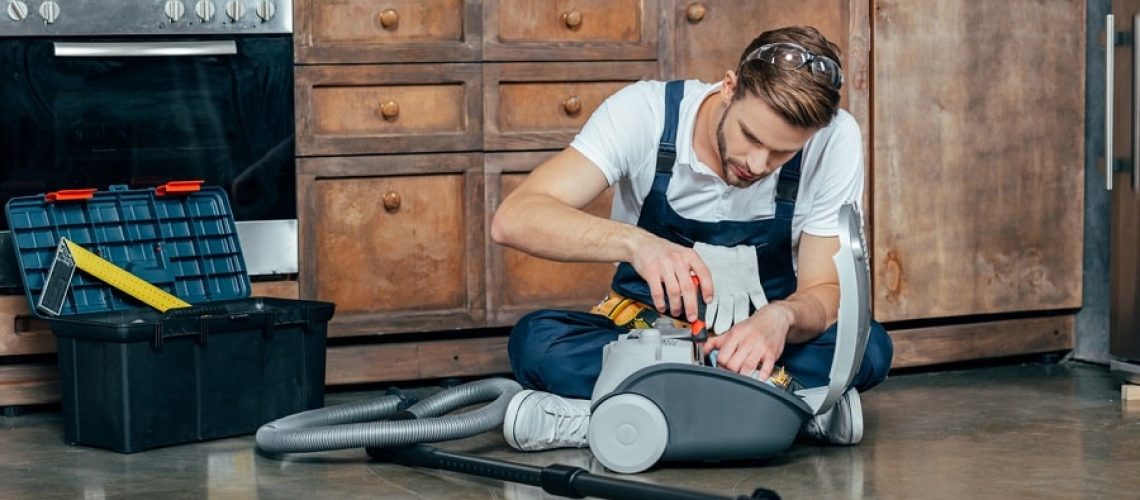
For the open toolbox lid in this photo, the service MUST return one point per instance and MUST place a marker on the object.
(180, 237)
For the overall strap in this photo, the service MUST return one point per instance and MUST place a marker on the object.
(788, 188)
(667, 147)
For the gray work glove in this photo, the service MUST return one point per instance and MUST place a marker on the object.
(736, 279)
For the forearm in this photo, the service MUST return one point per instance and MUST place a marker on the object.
(541, 225)
(810, 311)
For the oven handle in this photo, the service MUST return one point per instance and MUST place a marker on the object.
(145, 49)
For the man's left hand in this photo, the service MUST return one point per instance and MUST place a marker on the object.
(756, 342)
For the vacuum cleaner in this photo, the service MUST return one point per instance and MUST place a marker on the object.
(655, 399)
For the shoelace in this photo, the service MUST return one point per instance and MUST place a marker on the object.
(566, 424)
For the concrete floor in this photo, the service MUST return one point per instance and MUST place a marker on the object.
(1015, 431)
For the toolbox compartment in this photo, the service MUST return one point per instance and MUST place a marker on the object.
(134, 378)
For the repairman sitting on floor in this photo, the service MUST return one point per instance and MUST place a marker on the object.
(738, 183)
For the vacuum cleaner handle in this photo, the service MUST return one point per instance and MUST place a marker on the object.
(562, 480)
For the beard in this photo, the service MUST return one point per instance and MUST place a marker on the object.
(726, 163)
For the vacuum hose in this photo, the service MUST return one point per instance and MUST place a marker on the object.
(389, 432)
(382, 423)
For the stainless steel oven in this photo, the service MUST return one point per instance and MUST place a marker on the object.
(142, 92)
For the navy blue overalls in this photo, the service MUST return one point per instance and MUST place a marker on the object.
(561, 351)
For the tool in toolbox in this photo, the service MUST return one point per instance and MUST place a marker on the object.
(69, 256)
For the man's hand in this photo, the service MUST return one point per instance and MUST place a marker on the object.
(756, 342)
(668, 269)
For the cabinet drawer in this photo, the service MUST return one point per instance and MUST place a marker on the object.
(569, 29)
(542, 105)
(385, 109)
(362, 31)
(519, 283)
(399, 252)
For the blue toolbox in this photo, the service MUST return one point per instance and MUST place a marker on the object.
(134, 377)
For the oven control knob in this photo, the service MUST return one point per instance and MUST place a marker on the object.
(49, 10)
(235, 9)
(205, 10)
(265, 10)
(174, 10)
(17, 10)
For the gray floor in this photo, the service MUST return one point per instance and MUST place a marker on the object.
(1017, 431)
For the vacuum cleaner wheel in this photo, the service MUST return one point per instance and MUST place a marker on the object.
(628, 433)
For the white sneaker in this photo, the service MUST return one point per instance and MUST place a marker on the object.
(843, 424)
(541, 421)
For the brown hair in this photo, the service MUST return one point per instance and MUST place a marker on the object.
(803, 98)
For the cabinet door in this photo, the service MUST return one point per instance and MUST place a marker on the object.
(519, 283)
(405, 108)
(369, 31)
(395, 241)
(548, 30)
(543, 105)
(978, 157)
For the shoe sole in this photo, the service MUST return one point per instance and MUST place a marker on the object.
(856, 416)
(512, 417)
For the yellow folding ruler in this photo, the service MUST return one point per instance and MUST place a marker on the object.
(69, 256)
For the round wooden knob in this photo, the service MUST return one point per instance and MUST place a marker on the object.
(389, 18)
(695, 12)
(573, 19)
(572, 105)
(392, 201)
(389, 109)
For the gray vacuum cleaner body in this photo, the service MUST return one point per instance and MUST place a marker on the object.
(655, 399)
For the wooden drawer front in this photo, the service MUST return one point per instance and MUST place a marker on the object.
(331, 31)
(569, 29)
(384, 109)
(520, 283)
(402, 252)
(542, 105)
(348, 111)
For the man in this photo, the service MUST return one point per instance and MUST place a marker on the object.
(737, 184)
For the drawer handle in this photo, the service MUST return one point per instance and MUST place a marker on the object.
(572, 105)
(695, 12)
(572, 19)
(392, 201)
(389, 18)
(390, 109)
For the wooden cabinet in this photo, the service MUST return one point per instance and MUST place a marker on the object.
(415, 119)
(978, 157)
(400, 108)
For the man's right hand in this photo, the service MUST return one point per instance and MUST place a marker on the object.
(668, 269)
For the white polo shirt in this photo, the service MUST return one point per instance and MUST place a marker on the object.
(621, 139)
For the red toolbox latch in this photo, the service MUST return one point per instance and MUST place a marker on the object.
(178, 187)
(70, 195)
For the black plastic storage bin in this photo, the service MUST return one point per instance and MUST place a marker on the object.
(133, 378)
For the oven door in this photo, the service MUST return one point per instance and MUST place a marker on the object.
(141, 112)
